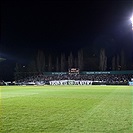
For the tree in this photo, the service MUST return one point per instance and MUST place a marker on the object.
(113, 63)
(19, 73)
(57, 64)
(40, 61)
(118, 62)
(32, 69)
(50, 63)
(70, 60)
(80, 59)
(123, 64)
(63, 62)
(76, 62)
(103, 60)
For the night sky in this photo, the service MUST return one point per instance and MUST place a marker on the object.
(63, 26)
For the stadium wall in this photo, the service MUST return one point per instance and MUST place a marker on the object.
(92, 72)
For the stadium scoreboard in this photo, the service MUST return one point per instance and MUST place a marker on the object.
(73, 71)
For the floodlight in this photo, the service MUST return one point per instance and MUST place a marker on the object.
(132, 21)
(1, 59)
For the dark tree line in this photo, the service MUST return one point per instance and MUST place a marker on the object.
(48, 63)
(43, 63)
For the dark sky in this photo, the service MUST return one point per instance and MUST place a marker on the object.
(62, 26)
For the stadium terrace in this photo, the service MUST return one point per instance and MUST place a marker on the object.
(83, 78)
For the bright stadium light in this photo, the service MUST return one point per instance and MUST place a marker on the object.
(132, 21)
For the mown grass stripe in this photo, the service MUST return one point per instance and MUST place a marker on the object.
(0, 108)
(132, 107)
(67, 109)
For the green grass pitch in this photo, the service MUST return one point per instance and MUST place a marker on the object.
(66, 109)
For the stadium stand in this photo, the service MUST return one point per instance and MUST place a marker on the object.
(96, 79)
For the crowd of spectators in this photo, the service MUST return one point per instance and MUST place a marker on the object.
(104, 78)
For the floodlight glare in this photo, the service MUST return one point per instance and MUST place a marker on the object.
(132, 21)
